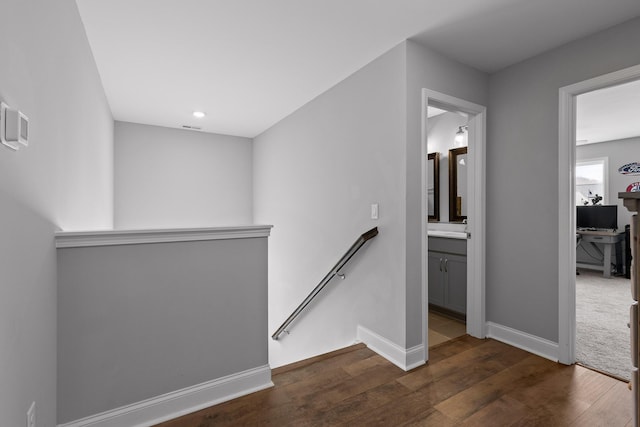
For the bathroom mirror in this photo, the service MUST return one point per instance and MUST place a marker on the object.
(433, 187)
(458, 184)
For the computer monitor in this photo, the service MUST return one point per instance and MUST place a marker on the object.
(599, 217)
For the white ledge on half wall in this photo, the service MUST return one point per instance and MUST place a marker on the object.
(75, 239)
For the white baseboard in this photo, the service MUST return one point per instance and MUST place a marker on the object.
(414, 357)
(405, 359)
(531, 343)
(181, 402)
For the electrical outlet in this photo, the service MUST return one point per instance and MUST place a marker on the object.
(31, 415)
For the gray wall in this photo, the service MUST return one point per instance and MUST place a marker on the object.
(180, 178)
(619, 152)
(63, 179)
(138, 321)
(315, 175)
(522, 174)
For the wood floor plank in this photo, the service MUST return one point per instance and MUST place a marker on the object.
(453, 347)
(350, 410)
(522, 374)
(431, 419)
(333, 355)
(510, 412)
(567, 394)
(289, 376)
(485, 359)
(558, 396)
(609, 410)
(593, 385)
(417, 403)
(323, 400)
(366, 365)
(467, 382)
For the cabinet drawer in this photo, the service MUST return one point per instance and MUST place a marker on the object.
(452, 246)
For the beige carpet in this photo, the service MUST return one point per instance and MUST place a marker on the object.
(602, 314)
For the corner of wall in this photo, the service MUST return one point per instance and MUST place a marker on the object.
(404, 358)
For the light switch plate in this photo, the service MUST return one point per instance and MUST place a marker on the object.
(16, 127)
(4, 108)
(374, 211)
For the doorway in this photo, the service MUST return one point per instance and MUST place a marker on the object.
(567, 224)
(607, 137)
(470, 205)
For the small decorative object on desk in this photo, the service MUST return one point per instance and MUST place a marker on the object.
(633, 188)
(595, 199)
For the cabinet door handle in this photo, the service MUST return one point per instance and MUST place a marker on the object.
(440, 264)
(446, 261)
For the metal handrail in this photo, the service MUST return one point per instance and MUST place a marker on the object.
(335, 271)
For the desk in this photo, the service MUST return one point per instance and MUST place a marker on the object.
(607, 238)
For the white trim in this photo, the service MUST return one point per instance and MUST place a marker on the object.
(476, 224)
(477, 184)
(566, 203)
(178, 403)
(415, 356)
(76, 239)
(405, 359)
(527, 342)
(424, 215)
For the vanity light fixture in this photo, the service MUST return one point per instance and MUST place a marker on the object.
(199, 114)
(460, 134)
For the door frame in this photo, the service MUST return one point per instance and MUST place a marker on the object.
(567, 202)
(476, 183)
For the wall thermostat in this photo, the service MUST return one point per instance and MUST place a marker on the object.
(16, 127)
(13, 144)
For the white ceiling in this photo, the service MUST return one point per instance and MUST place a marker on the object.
(250, 63)
(608, 114)
(434, 111)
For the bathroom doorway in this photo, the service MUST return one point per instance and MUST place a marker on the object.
(447, 212)
(454, 253)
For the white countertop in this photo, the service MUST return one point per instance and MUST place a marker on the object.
(448, 234)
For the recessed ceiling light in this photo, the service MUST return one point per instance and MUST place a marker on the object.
(199, 114)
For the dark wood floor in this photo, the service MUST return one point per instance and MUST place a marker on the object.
(466, 382)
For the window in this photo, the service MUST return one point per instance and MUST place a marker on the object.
(591, 181)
